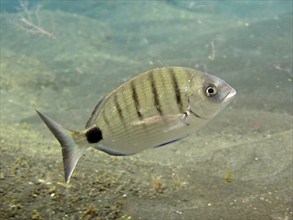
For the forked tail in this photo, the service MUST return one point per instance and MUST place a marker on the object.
(71, 143)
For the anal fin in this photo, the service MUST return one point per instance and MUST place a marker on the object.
(170, 142)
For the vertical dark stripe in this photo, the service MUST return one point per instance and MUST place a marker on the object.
(105, 118)
(155, 93)
(118, 108)
(135, 99)
(177, 91)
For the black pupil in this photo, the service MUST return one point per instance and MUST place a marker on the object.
(211, 90)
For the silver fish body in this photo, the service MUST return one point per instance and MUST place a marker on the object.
(152, 109)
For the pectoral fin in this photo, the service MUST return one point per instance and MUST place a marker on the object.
(171, 121)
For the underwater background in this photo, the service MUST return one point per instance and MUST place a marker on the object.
(62, 57)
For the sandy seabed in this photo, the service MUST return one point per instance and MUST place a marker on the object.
(238, 167)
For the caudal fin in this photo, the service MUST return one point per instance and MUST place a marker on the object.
(70, 150)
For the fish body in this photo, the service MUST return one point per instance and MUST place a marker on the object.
(150, 110)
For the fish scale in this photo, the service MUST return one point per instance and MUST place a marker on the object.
(152, 109)
(124, 95)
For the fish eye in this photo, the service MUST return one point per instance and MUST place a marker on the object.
(210, 91)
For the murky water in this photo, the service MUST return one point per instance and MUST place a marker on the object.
(238, 167)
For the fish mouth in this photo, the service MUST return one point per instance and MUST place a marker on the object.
(230, 95)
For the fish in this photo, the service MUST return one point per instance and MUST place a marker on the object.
(153, 109)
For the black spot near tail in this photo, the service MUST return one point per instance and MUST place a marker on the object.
(94, 135)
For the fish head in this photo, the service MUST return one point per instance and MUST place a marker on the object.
(208, 95)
